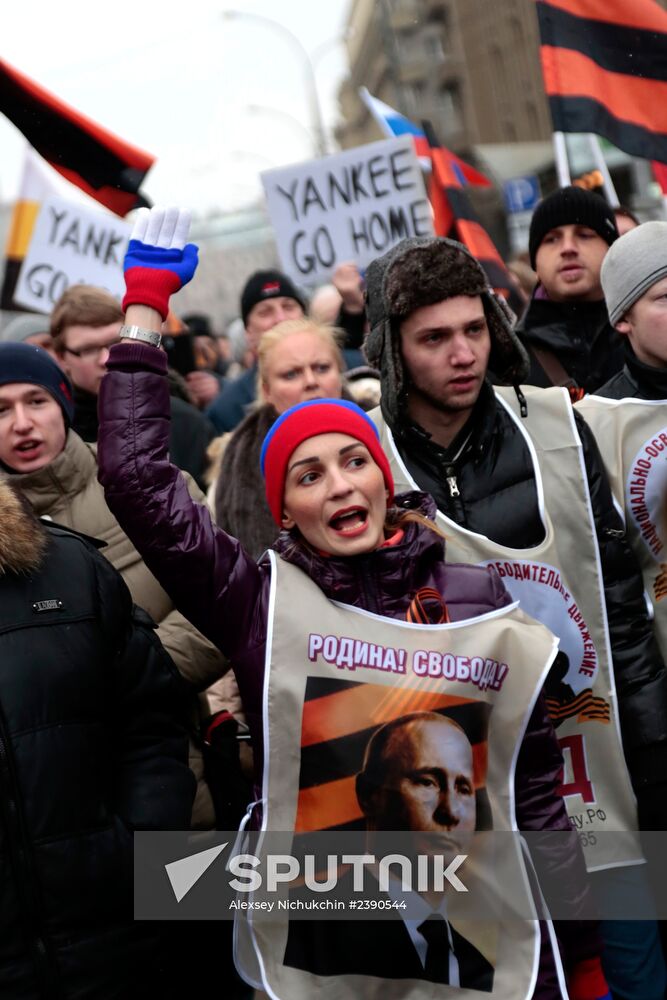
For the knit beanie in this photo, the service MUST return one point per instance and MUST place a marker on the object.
(22, 327)
(29, 363)
(421, 271)
(268, 285)
(635, 262)
(571, 206)
(306, 420)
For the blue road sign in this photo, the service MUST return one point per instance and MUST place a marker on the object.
(521, 193)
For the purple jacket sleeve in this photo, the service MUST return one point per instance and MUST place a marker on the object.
(206, 572)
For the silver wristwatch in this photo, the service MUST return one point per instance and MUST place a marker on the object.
(138, 333)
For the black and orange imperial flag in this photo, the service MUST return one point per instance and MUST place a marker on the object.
(454, 215)
(104, 166)
(604, 64)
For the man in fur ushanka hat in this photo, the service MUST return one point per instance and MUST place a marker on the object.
(519, 483)
(424, 272)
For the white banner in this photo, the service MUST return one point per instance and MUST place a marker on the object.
(350, 207)
(71, 244)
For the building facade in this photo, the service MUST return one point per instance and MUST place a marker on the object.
(471, 67)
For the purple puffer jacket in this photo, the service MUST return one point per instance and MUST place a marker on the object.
(225, 593)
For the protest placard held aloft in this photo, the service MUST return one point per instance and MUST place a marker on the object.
(71, 244)
(352, 206)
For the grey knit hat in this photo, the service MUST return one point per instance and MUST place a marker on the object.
(631, 265)
(21, 327)
(420, 272)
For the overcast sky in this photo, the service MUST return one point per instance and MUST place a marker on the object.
(177, 81)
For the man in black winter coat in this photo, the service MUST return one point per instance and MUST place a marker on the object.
(90, 750)
(565, 328)
(550, 527)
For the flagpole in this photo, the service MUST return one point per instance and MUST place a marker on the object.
(601, 165)
(560, 154)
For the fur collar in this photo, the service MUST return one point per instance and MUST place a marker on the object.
(22, 538)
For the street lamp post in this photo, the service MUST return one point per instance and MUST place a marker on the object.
(268, 110)
(317, 126)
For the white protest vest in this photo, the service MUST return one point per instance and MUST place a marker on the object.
(559, 582)
(335, 675)
(632, 437)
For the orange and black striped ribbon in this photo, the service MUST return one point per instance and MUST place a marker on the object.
(604, 64)
(427, 607)
(587, 706)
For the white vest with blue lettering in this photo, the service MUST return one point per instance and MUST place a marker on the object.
(559, 582)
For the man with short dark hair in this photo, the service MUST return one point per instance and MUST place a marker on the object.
(268, 298)
(520, 485)
(565, 328)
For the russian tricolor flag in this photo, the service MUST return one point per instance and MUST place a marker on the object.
(393, 123)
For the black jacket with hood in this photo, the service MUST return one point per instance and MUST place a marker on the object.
(90, 750)
(578, 334)
(495, 493)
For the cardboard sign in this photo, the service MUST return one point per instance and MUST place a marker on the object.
(71, 244)
(353, 206)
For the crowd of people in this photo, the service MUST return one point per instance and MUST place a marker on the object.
(400, 464)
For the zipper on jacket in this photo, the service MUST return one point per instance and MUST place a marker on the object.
(24, 876)
(614, 532)
(450, 470)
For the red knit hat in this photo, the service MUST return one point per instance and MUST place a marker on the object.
(306, 420)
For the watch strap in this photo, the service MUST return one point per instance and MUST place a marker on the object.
(138, 333)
